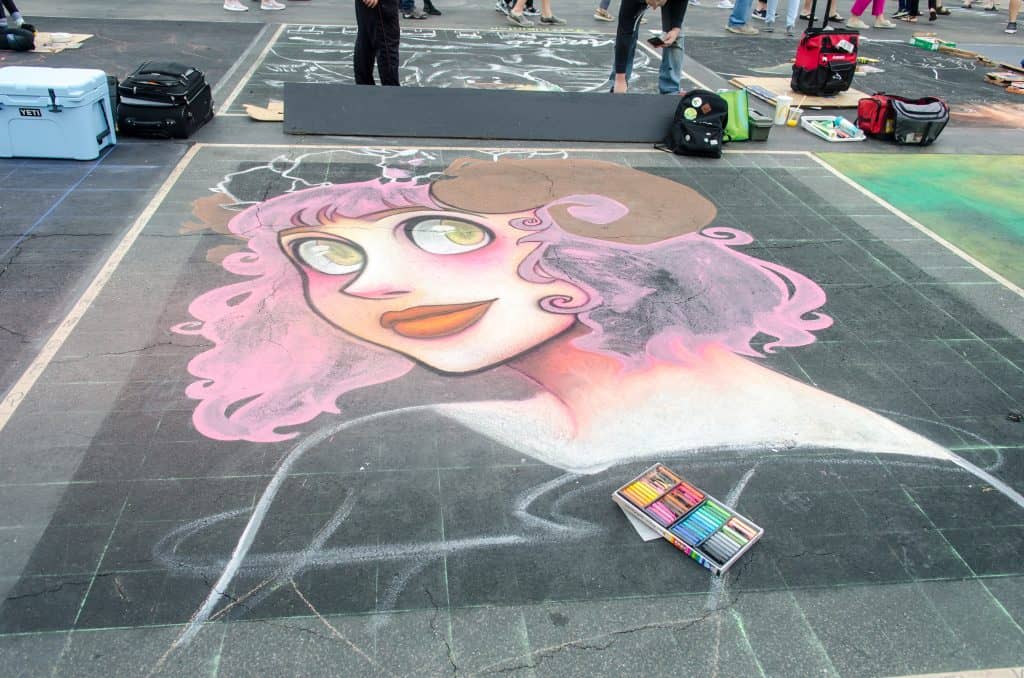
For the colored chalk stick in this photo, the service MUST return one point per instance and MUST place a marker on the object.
(662, 479)
(643, 490)
(724, 543)
(690, 490)
(712, 506)
(735, 536)
(715, 552)
(742, 528)
(683, 502)
(663, 515)
(634, 497)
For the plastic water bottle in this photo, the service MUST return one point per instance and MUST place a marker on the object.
(845, 125)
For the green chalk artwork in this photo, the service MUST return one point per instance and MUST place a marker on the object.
(972, 201)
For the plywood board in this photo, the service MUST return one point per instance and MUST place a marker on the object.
(52, 43)
(770, 88)
(273, 112)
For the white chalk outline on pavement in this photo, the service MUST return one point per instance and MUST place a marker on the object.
(230, 101)
(230, 73)
(252, 69)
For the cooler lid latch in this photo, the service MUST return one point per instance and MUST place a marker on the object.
(54, 107)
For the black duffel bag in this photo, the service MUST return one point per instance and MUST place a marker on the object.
(17, 39)
(918, 121)
(163, 99)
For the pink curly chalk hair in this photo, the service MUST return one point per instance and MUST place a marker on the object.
(275, 364)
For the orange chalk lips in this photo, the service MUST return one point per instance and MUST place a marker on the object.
(432, 322)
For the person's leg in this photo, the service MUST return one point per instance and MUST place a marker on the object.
(878, 11)
(792, 9)
(626, 35)
(602, 13)
(366, 42)
(670, 73)
(740, 13)
(389, 36)
(515, 15)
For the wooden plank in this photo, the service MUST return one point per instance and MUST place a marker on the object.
(770, 88)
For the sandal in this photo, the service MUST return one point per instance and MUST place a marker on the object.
(805, 17)
(836, 17)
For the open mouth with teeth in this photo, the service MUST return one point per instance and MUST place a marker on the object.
(432, 322)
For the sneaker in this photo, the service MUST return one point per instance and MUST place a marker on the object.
(500, 6)
(271, 5)
(761, 14)
(725, 4)
(882, 22)
(769, 27)
(742, 29)
(790, 31)
(552, 20)
(605, 15)
(1011, 27)
(531, 11)
(229, 5)
(414, 14)
(900, 14)
(518, 20)
(856, 22)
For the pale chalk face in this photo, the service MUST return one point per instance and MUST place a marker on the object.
(441, 287)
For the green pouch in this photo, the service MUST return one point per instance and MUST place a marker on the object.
(738, 126)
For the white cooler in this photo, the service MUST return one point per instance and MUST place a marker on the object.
(54, 113)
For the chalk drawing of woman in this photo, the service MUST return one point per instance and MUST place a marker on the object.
(635, 323)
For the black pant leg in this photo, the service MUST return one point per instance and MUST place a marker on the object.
(366, 40)
(630, 12)
(387, 44)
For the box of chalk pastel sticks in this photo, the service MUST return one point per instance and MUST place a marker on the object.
(691, 520)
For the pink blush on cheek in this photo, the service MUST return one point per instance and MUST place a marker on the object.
(320, 283)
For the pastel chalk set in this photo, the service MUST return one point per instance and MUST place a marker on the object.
(690, 519)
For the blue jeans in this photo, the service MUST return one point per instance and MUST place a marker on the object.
(741, 13)
(670, 73)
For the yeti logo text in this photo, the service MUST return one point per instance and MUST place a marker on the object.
(31, 112)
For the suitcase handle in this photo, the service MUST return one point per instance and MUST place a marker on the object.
(149, 123)
(814, 9)
(180, 76)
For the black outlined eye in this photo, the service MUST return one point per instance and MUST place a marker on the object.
(331, 257)
(439, 235)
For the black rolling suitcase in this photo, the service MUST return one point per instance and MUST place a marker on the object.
(163, 99)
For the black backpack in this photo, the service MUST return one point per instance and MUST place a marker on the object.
(698, 125)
